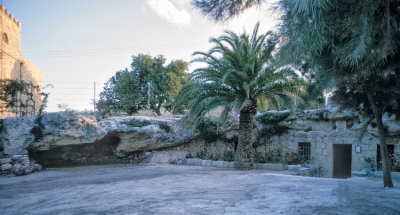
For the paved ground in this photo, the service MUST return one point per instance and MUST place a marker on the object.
(130, 189)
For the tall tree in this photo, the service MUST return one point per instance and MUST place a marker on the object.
(238, 71)
(177, 77)
(356, 41)
(148, 85)
(343, 37)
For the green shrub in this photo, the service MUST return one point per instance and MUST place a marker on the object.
(205, 154)
(260, 158)
(272, 130)
(272, 117)
(271, 127)
(202, 154)
(228, 155)
(37, 129)
(209, 130)
(137, 123)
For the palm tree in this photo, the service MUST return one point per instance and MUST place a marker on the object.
(238, 71)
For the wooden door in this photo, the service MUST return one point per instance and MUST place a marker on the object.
(342, 160)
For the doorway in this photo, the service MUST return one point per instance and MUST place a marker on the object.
(342, 160)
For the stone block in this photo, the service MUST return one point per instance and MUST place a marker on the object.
(5, 160)
(273, 166)
(310, 165)
(220, 164)
(214, 164)
(6, 167)
(360, 174)
(16, 158)
(294, 168)
(204, 162)
(225, 164)
(259, 166)
(231, 164)
(18, 169)
(197, 161)
(23, 152)
(190, 161)
(37, 167)
(208, 162)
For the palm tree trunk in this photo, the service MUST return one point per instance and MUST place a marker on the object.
(387, 175)
(244, 155)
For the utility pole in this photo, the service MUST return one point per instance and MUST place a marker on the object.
(148, 95)
(94, 97)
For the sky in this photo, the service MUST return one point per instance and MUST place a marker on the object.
(78, 42)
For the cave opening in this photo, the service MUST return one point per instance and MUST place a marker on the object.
(102, 151)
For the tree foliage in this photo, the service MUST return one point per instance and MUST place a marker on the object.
(222, 10)
(354, 43)
(238, 71)
(149, 84)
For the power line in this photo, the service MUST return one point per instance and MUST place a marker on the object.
(71, 93)
(112, 49)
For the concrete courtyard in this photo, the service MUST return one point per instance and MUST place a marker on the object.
(169, 189)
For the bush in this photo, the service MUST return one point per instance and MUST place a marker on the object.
(209, 130)
(137, 123)
(228, 155)
(260, 158)
(205, 154)
(202, 154)
(272, 117)
(37, 130)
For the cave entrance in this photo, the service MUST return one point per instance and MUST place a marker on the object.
(99, 152)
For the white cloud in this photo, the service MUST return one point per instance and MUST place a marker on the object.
(167, 10)
(249, 18)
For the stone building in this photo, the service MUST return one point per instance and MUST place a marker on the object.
(13, 66)
(330, 139)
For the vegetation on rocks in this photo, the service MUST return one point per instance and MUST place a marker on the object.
(209, 130)
(37, 129)
(270, 125)
(137, 123)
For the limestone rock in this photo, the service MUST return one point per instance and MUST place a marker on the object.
(65, 130)
(6, 167)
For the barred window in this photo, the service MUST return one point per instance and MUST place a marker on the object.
(304, 151)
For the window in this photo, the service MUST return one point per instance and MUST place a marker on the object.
(4, 38)
(304, 151)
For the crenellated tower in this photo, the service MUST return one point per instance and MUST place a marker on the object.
(14, 66)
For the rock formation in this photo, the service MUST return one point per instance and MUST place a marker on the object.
(74, 139)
